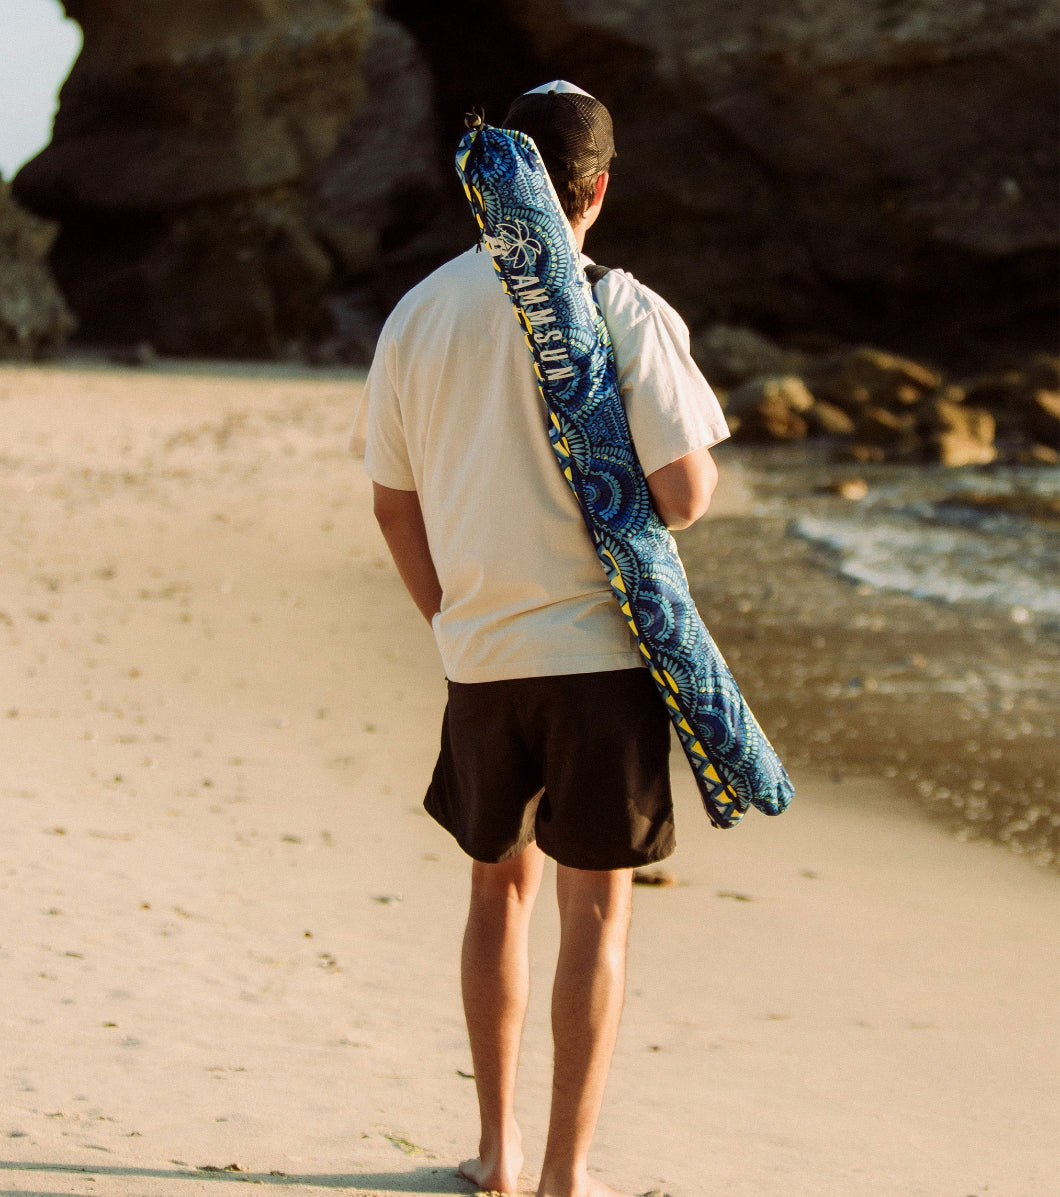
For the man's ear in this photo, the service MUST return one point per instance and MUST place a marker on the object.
(583, 223)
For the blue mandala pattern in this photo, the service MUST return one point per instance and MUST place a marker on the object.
(533, 249)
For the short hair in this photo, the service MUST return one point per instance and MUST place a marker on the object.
(574, 136)
(575, 195)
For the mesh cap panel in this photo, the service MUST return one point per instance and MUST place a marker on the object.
(572, 130)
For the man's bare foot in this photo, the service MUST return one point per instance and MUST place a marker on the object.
(494, 1175)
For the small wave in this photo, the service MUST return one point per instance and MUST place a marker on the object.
(951, 564)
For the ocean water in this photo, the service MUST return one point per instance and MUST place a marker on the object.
(910, 632)
(954, 536)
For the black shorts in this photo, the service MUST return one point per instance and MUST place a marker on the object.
(578, 762)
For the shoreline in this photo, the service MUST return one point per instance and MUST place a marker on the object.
(955, 704)
(229, 933)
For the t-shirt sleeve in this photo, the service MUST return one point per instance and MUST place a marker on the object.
(671, 408)
(378, 432)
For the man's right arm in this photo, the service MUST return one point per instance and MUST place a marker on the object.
(682, 490)
(400, 519)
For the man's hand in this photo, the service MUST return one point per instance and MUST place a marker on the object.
(682, 490)
(401, 521)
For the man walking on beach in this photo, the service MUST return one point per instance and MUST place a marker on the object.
(554, 741)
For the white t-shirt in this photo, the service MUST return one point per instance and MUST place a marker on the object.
(451, 410)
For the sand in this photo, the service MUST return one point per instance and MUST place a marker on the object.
(228, 934)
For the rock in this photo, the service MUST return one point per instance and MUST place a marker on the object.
(34, 318)
(825, 419)
(356, 326)
(1042, 416)
(852, 489)
(1045, 455)
(960, 435)
(787, 388)
(225, 172)
(951, 392)
(240, 277)
(863, 454)
(868, 376)
(657, 878)
(998, 391)
(772, 422)
(173, 103)
(770, 409)
(1023, 402)
(729, 356)
(219, 171)
(380, 180)
(854, 174)
(375, 200)
(1005, 395)
(878, 426)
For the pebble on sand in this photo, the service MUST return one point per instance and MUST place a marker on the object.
(659, 878)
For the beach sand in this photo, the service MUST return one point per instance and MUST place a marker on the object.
(229, 935)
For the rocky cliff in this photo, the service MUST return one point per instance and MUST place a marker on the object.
(268, 176)
(198, 167)
(873, 168)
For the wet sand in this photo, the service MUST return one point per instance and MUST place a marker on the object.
(956, 705)
(228, 934)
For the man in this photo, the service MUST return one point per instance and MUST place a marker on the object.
(554, 741)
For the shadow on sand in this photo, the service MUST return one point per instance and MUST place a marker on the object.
(425, 1179)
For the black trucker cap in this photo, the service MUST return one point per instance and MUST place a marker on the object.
(571, 129)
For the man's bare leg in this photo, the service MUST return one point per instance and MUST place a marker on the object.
(594, 911)
(495, 976)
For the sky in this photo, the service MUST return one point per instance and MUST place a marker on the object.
(38, 46)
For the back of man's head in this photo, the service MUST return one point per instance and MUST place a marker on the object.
(573, 132)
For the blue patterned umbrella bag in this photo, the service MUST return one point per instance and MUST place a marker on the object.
(537, 260)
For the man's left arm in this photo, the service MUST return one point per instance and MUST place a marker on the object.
(674, 416)
(400, 519)
(682, 490)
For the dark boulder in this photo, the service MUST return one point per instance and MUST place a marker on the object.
(866, 376)
(959, 435)
(825, 419)
(770, 409)
(729, 355)
(1042, 419)
(894, 430)
(1021, 400)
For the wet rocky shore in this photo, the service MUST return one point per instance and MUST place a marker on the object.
(878, 406)
(954, 701)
